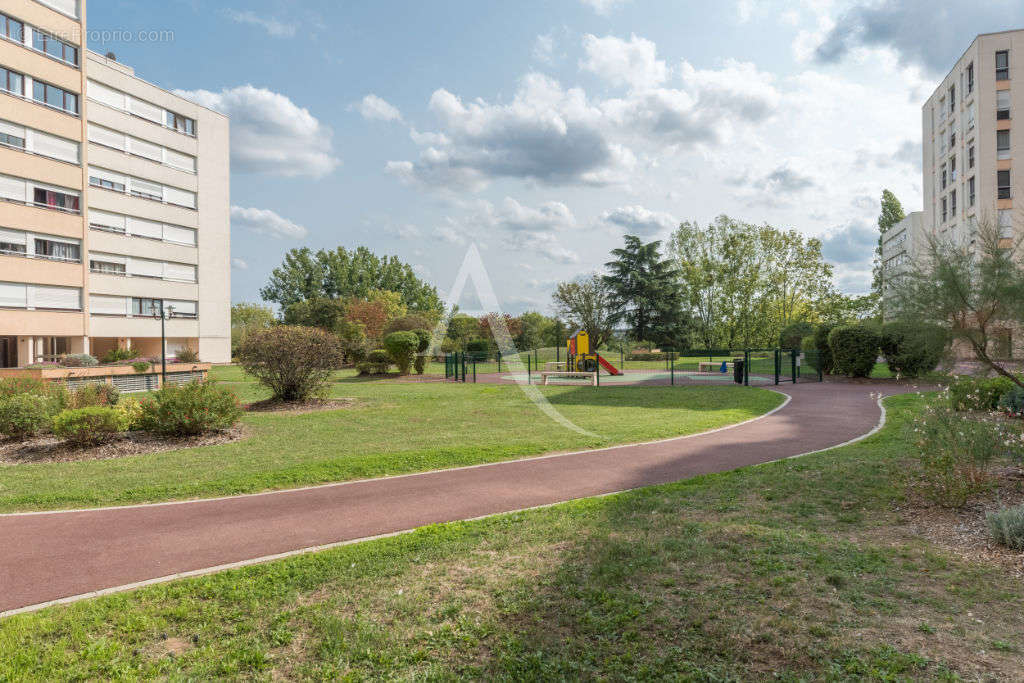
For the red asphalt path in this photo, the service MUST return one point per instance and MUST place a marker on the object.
(54, 555)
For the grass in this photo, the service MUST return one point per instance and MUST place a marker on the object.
(394, 428)
(800, 569)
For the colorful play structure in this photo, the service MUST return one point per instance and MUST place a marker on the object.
(580, 358)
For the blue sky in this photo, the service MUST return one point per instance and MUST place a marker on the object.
(543, 131)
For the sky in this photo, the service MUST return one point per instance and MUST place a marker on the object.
(543, 131)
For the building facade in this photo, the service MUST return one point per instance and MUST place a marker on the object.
(901, 244)
(968, 140)
(115, 201)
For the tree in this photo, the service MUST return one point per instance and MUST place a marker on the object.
(534, 332)
(976, 291)
(512, 324)
(462, 328)
(376, 312)
(644, 290)
(246, 318)
(890, 215)
(319, 311)
(343, 274)
(586, 303)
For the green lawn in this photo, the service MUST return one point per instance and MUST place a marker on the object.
(803, 569)
(394, 428)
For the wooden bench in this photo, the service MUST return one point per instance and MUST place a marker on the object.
(714, 365)
(554, 366)
(592, 376)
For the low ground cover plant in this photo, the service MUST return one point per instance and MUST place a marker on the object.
(190, 409)
(293, 362)
(1007, 527)
(978, 393)
(956, 451)
(92, 425)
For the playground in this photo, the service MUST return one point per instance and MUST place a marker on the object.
(578, 364)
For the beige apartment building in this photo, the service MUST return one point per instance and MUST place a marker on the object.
(115, 201)
(970, 146)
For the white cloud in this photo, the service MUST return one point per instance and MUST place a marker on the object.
(620, 62)
(374, 108)
(544, 48)
(266, 222)
(273, 27)
(549, 217)
(603, 7)
(638, 220)
(239, 264)
(270, 133)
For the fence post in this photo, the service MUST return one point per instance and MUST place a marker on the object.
(558, 354)
(821, 368)
(746, 367)
(499, 361)
(474, 369)
(792, 355)
(622, 359)
(463, 367)
(529, 370)
(597, 376)
(778, 362)
(672, 368)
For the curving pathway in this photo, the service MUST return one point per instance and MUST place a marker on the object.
(62, 556)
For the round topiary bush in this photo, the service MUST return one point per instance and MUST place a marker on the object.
(401, 346)
(793, 334)
(420, 364)
(189, 409)
(293, 362)
(854, 350)
(912, 349)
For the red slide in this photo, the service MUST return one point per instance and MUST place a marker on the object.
(612, 370)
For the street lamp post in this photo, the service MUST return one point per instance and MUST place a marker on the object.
(165, 313)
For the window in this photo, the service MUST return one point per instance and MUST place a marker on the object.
(12, 81)
(55, 97)
(970, 191)
(943, 176)
(952, 99)
(970, 78)
(51, 199)
(58, 251)
(107, 184)
(1002, 105)
(55, 48)
(1003, 181)
(11, 247)
(952, 139)
(970, 157)
(106, 267)
(1003, 65)
(944, 214)
(1005, 223)
(952, 167)
(180, 123)
(147, 307)
(952, 203)
(12, 28)
(9, 140)
(1002, 144)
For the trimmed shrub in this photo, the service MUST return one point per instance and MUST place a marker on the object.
(956, 451)
(190, 409)
(25, 415)
(642, 356)
(131, 409)
(1012, 402)
(377, 362)
(973, 393)
(187, 355)
(409, 323)
(854, 350)
(424, 336)
(1007, 527)
(479, 349)
(792, 335)
(912, 350)
(141, 366)
(91, 425)
(79, 360)
(821, 334)
(293, 362)
(94, 394)
(118, 355)
(401, 346)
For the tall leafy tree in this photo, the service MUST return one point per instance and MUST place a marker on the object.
(586, 303)
(344, 274)
(891, 213)
(644, 290)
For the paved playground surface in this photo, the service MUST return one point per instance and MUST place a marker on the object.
(55, 555)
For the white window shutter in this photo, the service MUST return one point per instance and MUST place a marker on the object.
(173, 195)
(108, 96)
(13, 295)
(109, 176)
(182, 307)
(145, 110)
(180, 271)
(145, 149)
(107, 220)
(64, 298)
(8, 128)
(55, 147)
(145, 268)
(143, 228)
(146, 187)
(173, 233)
(105, 136)
(179, 160)
(13, 188)
(13, 236)
(108, 305)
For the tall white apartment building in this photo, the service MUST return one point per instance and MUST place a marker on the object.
(968, 140)
(114, 201)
